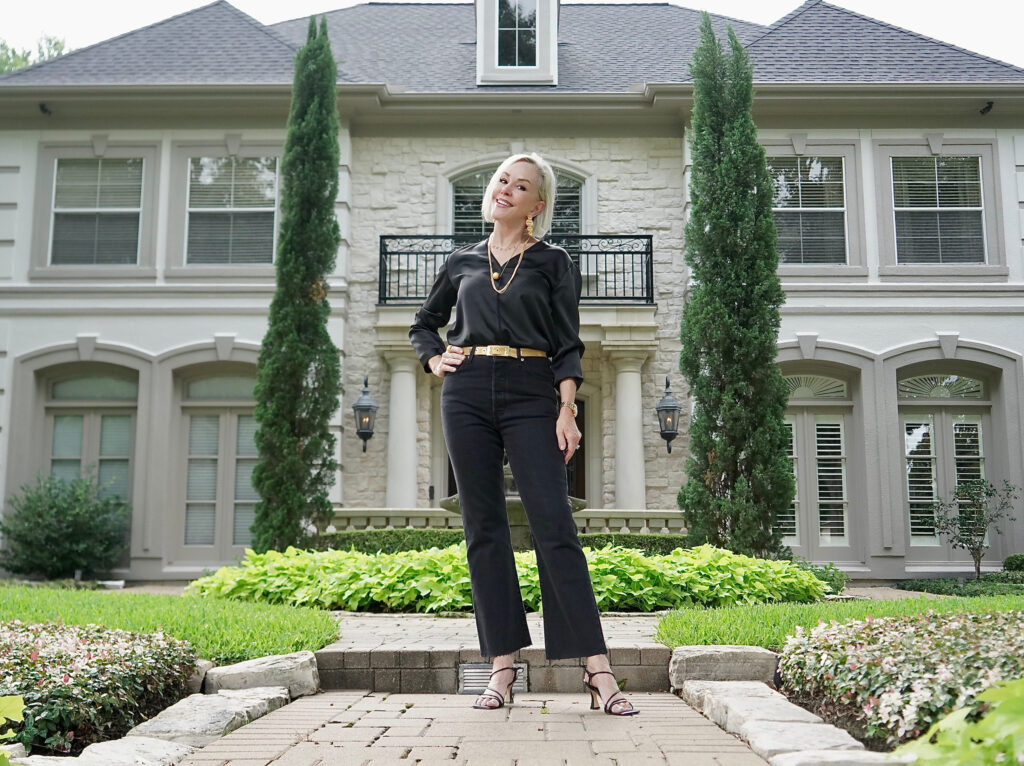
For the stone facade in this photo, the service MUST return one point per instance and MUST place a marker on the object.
(637, 184)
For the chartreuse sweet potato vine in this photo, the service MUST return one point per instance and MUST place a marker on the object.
(437, 580)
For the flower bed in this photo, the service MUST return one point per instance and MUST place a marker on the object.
(85, 684)
(889, 679)
(438, 580)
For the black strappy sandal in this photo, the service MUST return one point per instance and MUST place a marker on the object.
(616, 699)
(490, 693)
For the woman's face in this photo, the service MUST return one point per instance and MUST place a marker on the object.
(517, 195)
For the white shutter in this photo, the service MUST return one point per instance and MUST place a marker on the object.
(201, 482)
(830, 458)
(788, 520)
(919, 447)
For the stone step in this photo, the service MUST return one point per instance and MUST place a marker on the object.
(419, 654)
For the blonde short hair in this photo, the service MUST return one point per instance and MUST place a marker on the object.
(547, 191)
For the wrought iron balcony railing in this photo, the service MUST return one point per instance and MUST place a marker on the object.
(615, 268)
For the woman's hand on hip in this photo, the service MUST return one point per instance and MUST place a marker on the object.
(568, 434)
(449, 361)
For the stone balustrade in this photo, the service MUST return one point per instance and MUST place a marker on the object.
(607, 520)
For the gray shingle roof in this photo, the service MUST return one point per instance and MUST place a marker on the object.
(215, 44)
(819, 42)
(428, 47)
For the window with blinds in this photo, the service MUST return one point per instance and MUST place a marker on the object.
(809, 204)
(468, 193)
(97, 206)
(922, 492)
(830, 465)
(201, 482)
(232, 209)
(245, 494)
(517, 33)
(789, 521)
(939, 215)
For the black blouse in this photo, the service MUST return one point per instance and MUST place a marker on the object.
(539, 310)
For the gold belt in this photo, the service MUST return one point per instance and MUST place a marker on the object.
(512, 351)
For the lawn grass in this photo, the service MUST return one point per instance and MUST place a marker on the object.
(767, 625)
(220, 630)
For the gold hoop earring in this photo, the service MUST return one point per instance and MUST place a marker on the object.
(529, 227)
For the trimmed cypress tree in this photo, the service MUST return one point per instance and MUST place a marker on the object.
(299, 376)
(739, 477)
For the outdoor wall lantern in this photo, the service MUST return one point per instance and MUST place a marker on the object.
(668, 410)
(365, 408)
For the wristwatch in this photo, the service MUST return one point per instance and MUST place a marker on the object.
(572, 406)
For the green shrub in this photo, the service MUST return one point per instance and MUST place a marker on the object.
(651, 543)
(59, 527)
(1014, 562)
(10, 717)
(767, 625)
(834, 577)
(88, 684)
(988, 730)
(396, 540)
(220, 630)
(896, 676)
(385, 540)
(992, 584)
(438, 580)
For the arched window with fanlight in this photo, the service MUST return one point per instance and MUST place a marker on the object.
(90, 413)
(468, 192)
(818, 520)
(943, 418)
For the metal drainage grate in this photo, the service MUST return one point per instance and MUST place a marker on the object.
(474, 677)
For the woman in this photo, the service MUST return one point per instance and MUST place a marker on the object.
(515, 290)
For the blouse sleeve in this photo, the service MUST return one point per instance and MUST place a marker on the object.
(565, 300)
(433, 314)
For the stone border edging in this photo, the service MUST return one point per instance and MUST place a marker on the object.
(732, 686)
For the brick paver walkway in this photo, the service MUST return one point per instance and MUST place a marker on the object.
(354, 728)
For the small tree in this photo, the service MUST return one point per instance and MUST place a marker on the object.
(739, 476)
(976, 507)
(299, 374)
(58, 528)
(47, 47)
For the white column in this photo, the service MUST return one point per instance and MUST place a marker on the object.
(630, 477)
(403, 462)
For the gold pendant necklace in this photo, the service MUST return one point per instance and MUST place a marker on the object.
(496, 275)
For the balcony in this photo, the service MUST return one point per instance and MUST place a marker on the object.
(616, 269)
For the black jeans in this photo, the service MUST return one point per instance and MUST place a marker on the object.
(496, 405)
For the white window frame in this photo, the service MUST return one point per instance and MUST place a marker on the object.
(814, 210)
(545, 72)
(144, 267)
(177, 226)
(994, 269)
(272, 209)
(937, 209)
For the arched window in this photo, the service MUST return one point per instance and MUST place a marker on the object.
(468, 192)
(943, 418)
(816, 421)
(90, 415)
(220, 454)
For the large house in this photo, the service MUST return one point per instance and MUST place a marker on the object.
(139, 209)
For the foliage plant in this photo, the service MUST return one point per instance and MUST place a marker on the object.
(1014, 562)
(85, 684)
(896, 676)
(991, 584)
(10, 716)
(395, 540)
(299, 372)
(739, 475)
(976, 507)
(438, 580)
(828, 573)
(768, 625)
(219, 630)
(988, 730)
(58, 528)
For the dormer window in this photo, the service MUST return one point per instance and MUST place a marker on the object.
(517, 33)
(517, 42)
